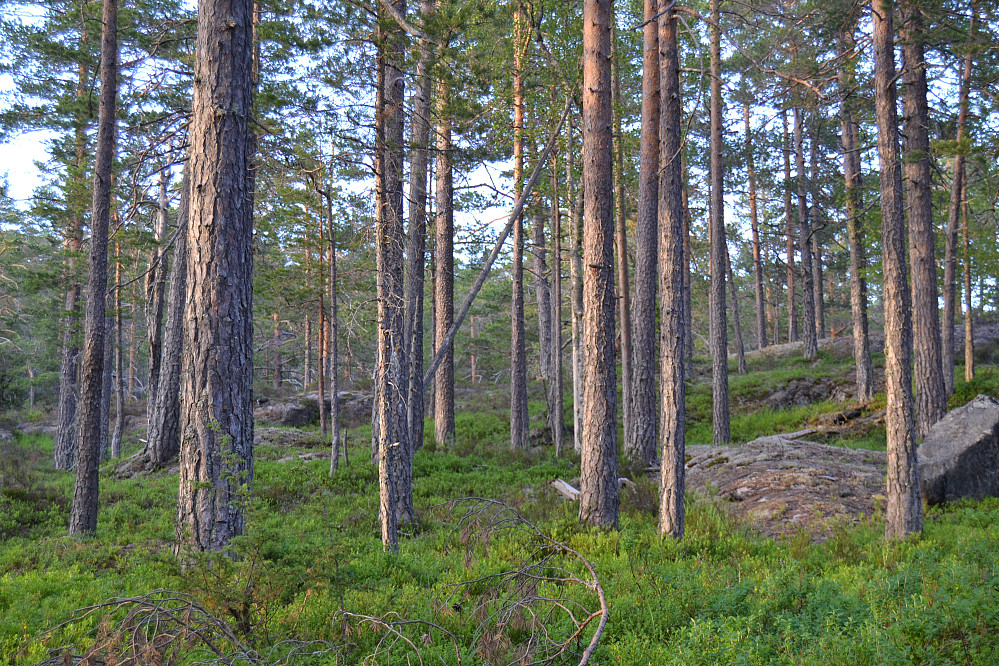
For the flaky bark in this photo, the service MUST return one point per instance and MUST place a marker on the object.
(810, 346)
(904, 510)
(83, 515)
(930, 392)
(761, 307)
(444, 270)
(519, 423)
(719, 250)
(641, 445)
(671, 281)
(216, 423)
(598, 502)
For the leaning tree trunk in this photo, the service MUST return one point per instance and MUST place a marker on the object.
(719, 250)
(519, 423)
(792, 303)
(953, 215)
(444, 270)
(904, 511)
(671, 281)
(83, 516)
(761, 307)
(641, 445)
(163, 441)
(855, 226)
(216, 421)
(598, 504)
(810, 347)
(930, 392)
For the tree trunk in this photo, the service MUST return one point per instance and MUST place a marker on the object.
(904, 511)
(621, 242)
(556, 417)
(416, 250)
(640, 446)
(133, 362)
(83, 516)
(155, 294)
(598, 504)
(953, 214)
(719, 249)
(792, 303)
(969, 326)
(816, 244)
(519, 422)
(119, 387)
(740, 347)
(575, 198)
(278, 370)
(216, 422)
(542, 291)
(672, 271)
(810, 347)
(334, 342)
(105, 429)
(307, 361)
(761, 307)
(163, 442)
(444, 289)
(855, 226)
(688, 304)
(394, 454)
(930, 392)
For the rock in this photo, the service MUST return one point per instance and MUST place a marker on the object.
(960, 455)
(300, 412)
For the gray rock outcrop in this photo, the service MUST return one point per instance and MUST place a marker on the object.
(960, 455)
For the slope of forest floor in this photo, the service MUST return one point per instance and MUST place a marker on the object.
(311, 563)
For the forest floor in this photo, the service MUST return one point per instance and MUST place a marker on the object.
(310, 584)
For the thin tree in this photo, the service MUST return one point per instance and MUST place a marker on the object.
(930, 392)
(719, 250)
(904, 510)
(810, 347)
(519, 421)
(444, 270)
(816, 226)
(969, 324)
(792, 302)
(761, 308)
(740, 347)
(575, 199)
(556, 417)
(83, 516)
(156, 294)
(216, 423)
(598, 467)
(671, 277)
(855, 227)
(641, 445)
(119, 386)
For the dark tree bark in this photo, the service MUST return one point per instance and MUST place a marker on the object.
(598, 503)
(394, 454)
(953, 214)
(930, 392)
(444, 270)
(671, 278)
(904, 511)
(792, 302)
(855, 226)
(163, 441)
(416, 250)
(519, 422)
(83, 516)
(761, 307)
(621, 243)
(719, 249)
(216, 422)
(641, 445)
(810, 347)
(155, 294)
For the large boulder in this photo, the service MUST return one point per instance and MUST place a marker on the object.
(960, 455)
(296, 412)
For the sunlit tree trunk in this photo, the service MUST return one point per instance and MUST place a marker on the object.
(575, 199)
(444, 284)
(519, 424)
(969, 312)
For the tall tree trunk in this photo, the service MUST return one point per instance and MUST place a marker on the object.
(556, 417)
(416, 250)
(444, 289)
(216, 422)
(792, 302)
(333, 351)
(810, 347)
(740, 347)
(575, 199)
(133, 361)
(155, 294)
(307, 360)
(905, 507)
(598, 503)
(621, 242)
(105, 428)
(719, 249)
(671, 279)
(761, 307)
(969, 326)
(119, 390)
(641, 446)
(542, 291)
(816, 244)
(394, 454)
(855, 226)
(519, 422)
(163, 441)
(688, 304)
(83, 516)
(278, 370)
(930, 392)
(953, 214)
(324, 344)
